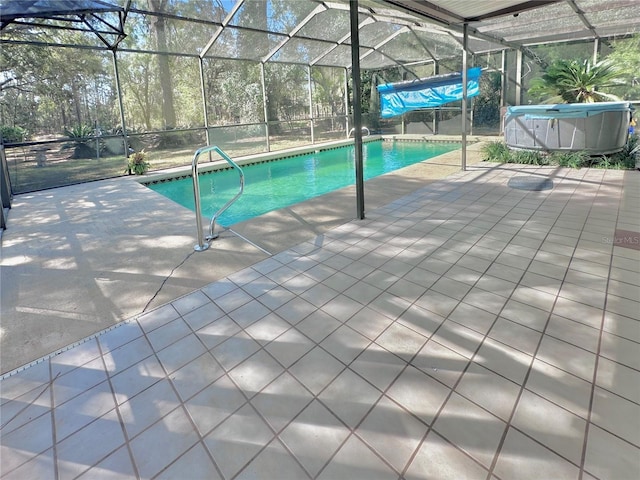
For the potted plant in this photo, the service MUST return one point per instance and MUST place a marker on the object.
(138, 163)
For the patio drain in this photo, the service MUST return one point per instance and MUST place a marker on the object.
(530, 183)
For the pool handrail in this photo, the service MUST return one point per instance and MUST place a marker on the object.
(364, 130)
(202, 245)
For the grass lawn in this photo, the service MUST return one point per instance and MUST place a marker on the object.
(59, 169)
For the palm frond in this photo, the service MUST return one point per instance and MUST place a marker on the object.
(570, 81)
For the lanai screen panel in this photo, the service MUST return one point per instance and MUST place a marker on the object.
(279, 16)
(339, 56)
(372, 34)
(376, 61)
(209, 10)
(180, 36)
(298, 50)
(331, 25)
(234, 43)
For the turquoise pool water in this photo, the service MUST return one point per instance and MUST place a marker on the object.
(278, 184)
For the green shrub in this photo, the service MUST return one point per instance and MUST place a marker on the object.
(570, 159)
(496, 152)
(79, 132)
(12, 134)
(83, 146)
(528, 157)
(627, 157)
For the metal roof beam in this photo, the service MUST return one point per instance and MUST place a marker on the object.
(341, 41)
(384, 42)
(319, 9)
(423, 45)
(513, 10)
(428, 10)
(220, 28)
(582, 18)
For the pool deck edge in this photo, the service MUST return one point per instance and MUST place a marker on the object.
(78, 259)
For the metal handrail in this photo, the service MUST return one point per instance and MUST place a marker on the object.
(202, 245)
(364, 130)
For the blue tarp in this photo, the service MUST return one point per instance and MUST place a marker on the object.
(398, 98)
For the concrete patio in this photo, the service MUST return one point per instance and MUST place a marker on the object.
(465, 329)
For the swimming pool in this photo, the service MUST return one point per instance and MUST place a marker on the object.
(277, 184)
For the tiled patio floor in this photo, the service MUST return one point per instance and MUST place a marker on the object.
(468, 330)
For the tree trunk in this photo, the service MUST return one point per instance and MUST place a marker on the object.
(76, 101)
(159, 33)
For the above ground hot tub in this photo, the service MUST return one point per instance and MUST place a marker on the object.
(595, 128)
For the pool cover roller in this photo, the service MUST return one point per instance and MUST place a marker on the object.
(402, 97)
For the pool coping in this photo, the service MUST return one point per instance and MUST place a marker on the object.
(185, 171)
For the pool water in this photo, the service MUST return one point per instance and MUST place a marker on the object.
(278, 184)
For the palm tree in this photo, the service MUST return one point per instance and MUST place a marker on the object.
(569, 81)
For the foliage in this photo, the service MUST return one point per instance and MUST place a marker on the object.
(12, 134)
(571, 81)
(79, 132)
(528, 157)
(83, 146)
(328, 91)
(486, 106)
(287, 93)
(629, 157)
(626, 54)
(369, 80)
(570, 159)
(138, 163)
(498, 151)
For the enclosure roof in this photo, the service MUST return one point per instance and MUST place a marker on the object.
(532, 22)
(95, 16)
(12, 9)
(315, 32)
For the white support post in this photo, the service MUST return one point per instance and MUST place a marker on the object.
(346, 102)
(264, 106)
(125, 140)
(204, 102)
(518, 77)
(465, 41)
(357, 113)
(311, 104)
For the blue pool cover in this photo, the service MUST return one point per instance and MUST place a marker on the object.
(401, 97)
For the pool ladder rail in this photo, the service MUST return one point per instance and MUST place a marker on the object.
(202, 244)
(365, 130)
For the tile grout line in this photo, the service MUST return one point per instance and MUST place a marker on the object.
(27, 405)
(120, 419)
(316, 397)
(453, 388)
(533, 358)
(54, 434)
(247, 399)
(583, 456)
(181, 406)
(71, 346)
